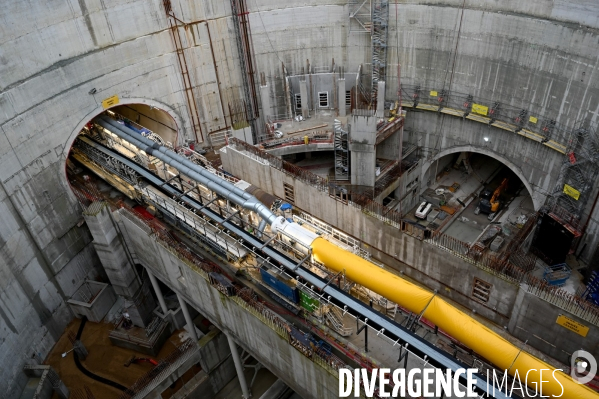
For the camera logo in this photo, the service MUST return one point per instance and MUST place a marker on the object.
(583, 367)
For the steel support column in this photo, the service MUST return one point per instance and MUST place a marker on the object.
(192, 327)
(158, 292)
(239, 367)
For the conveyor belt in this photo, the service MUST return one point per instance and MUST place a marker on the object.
(393, 330)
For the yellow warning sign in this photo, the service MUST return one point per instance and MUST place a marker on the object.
(110, 101)
(571, 191)
(434, 93)
(480, 109)
(572, 325)
(532, 119)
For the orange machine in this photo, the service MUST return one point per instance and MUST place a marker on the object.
(489, 202)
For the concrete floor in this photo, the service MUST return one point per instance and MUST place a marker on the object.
(104, 359)
(464, 224)
(314, 123)
(469, 226)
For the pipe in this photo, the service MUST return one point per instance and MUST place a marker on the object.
(454, 322)
(88, 373)
(261, 228)
(197, 173)
(131, 133)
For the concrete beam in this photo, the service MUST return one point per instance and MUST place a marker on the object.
(380, 100)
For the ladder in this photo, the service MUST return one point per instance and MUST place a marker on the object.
(380, 20)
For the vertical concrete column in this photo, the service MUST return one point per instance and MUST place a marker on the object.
(265, 98)
(362, 150)
(304, 98)
(380, 100)
(192, 327)
(239, 368)
(341, 88)
(110, 250)
(158, 292)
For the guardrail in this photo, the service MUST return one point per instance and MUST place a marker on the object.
(244, 296)
(522, 120)
(161, 371)
(499, 266)
(505, 269)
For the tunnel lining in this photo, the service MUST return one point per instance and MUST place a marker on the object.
(537, 202)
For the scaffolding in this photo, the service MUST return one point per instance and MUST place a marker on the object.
(380, 22)
(359, 12)
(578, 172)
(341, 151)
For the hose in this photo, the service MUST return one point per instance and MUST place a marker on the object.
(86, 371)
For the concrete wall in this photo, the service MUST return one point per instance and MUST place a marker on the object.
(320, 82)
(362, 138)
(263, 343)
(509, 304)
(542, 68)
(532, 314)
(537, 166)
(103, 299)
(158, 121)
(535, 54)
(53, 55)
(430, 265)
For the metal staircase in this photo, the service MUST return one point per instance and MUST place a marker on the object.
(380, 22)
(334, 319)
(578, 172)
(359, 12)
(341, 151)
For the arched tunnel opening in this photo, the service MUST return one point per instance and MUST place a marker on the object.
(147, 121)
(375, 243)
(477, 198)
(243, 246)
(106, 168)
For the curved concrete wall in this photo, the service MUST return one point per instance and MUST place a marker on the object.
(540, 55)
(54, 53)
(537, 166)
(428, 172)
